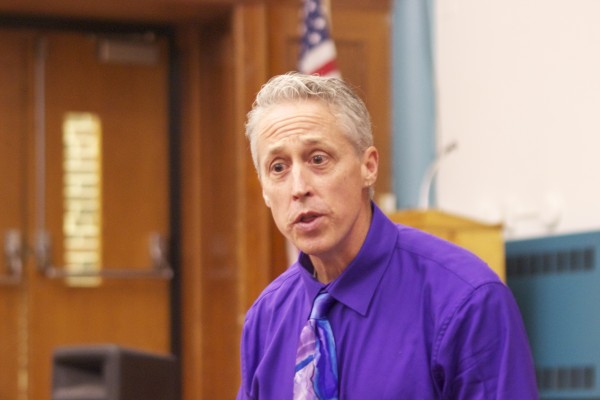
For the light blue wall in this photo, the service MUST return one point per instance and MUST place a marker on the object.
(413, 99)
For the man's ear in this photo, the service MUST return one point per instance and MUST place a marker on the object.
(267, 201)
(370, 166)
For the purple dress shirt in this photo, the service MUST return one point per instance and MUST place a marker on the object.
(416, 318)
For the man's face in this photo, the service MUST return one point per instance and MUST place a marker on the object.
(314, 181)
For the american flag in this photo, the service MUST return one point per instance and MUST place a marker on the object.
(317, 52)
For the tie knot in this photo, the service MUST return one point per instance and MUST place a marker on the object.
(321, 306)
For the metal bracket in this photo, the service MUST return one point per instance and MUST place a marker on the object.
(160, 267)
(13, 256)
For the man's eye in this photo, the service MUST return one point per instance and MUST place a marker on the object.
(318, 159)
(277, 167)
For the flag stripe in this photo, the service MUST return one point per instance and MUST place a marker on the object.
(329, 69)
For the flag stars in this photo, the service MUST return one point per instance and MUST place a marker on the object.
(319, 23)
(314, 38)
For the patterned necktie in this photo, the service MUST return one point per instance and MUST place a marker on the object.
(316, 363)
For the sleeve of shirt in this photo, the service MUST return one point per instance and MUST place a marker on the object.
(245, 358)
(483, 351)
(241, 395)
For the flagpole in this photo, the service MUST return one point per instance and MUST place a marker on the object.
(328, 14)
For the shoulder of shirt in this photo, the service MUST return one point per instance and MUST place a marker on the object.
(278, 290)
(445, 257)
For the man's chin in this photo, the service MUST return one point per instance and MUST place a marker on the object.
(311, 249)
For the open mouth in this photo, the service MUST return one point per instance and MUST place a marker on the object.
(306, 218)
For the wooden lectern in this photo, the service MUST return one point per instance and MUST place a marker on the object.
(484, 240)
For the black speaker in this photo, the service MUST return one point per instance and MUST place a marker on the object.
(110, 372)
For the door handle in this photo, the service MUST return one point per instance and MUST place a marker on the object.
(160, 267)
(13, 256)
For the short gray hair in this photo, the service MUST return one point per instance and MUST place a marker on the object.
(346, 106)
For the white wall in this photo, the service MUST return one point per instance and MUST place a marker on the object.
(518, 85)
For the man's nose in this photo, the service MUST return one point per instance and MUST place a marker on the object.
(300, 183)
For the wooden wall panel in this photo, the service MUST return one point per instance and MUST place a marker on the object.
(219, 215)
(191, 208)
(172, 11)
(251, 30)
(227, 264)
(364, 57)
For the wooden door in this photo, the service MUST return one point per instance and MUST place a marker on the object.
(14, 126)
(85, 149)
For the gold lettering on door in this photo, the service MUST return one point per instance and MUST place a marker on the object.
(82, 191)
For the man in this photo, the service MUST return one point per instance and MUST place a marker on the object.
(411, 316)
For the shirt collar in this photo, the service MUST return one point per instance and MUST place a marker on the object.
(356, 286)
